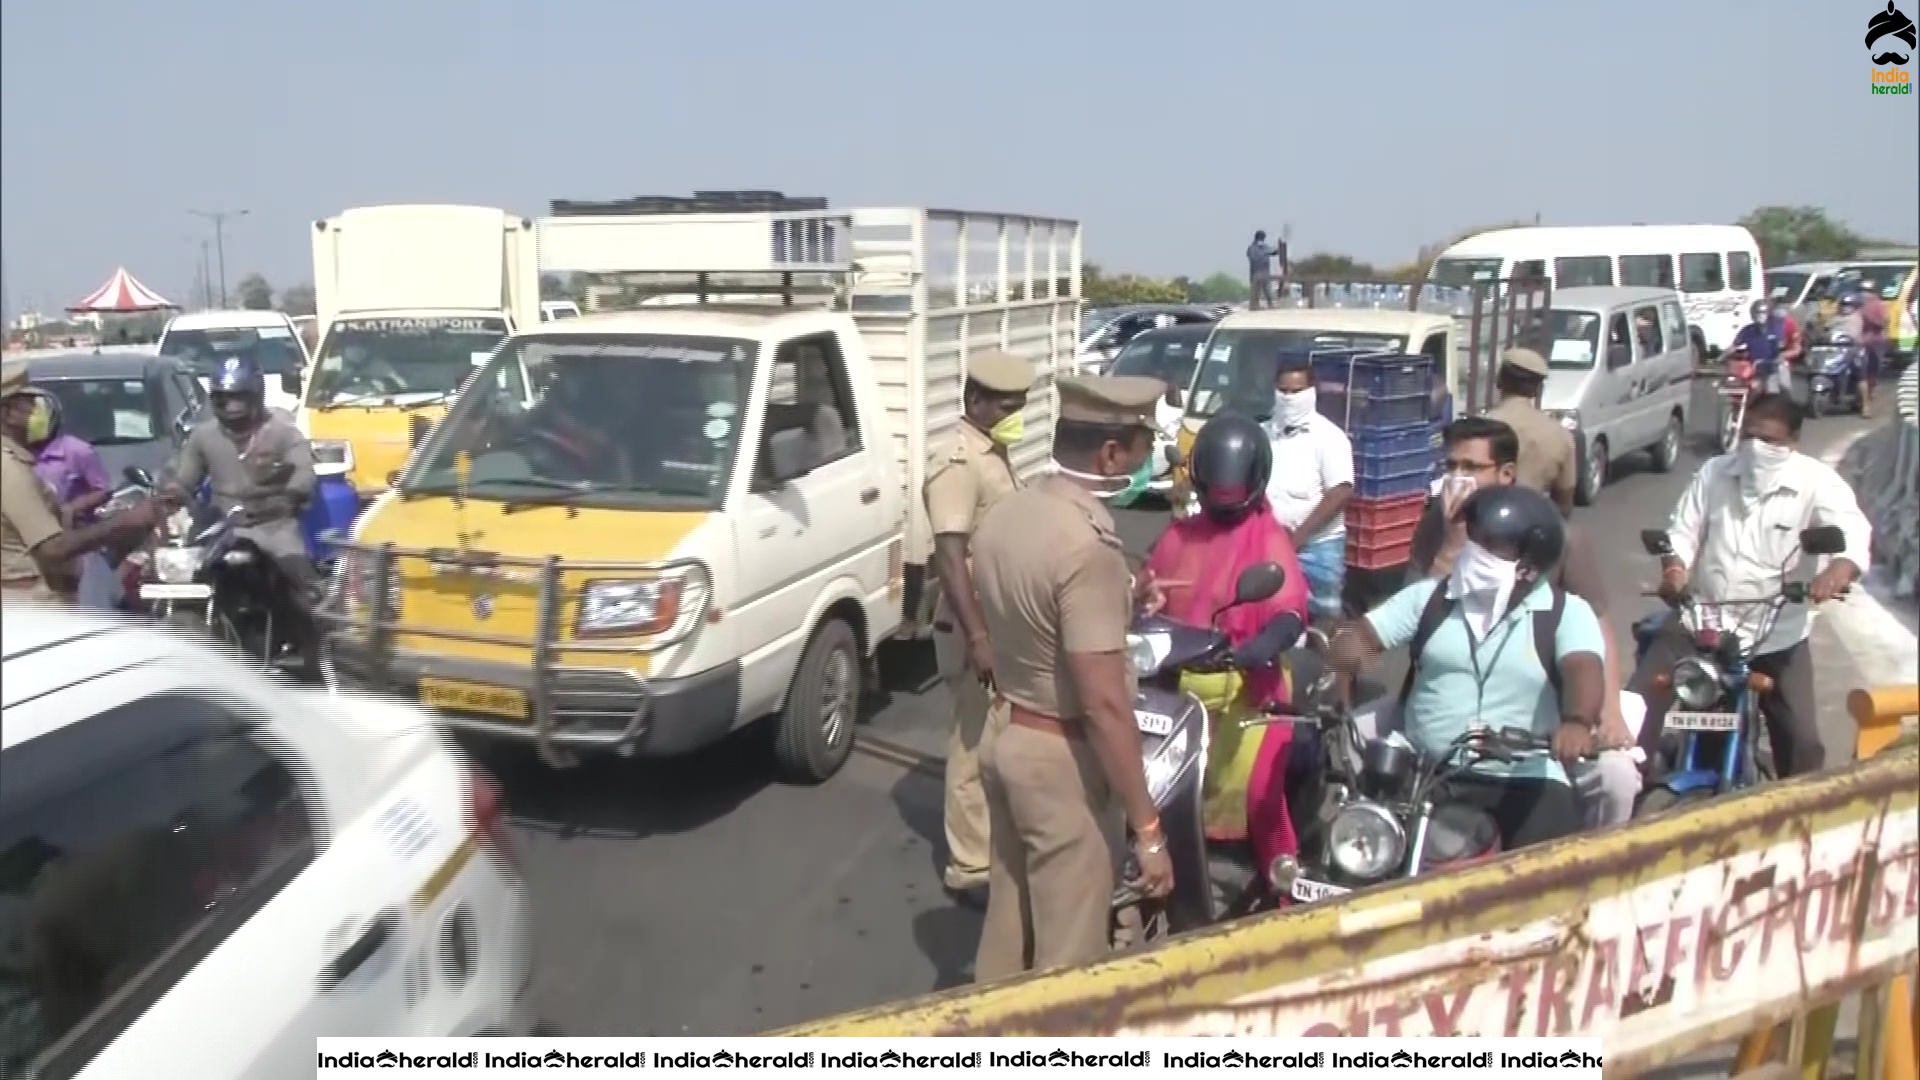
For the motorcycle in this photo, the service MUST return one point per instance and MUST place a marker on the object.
(205, 576)
(137, 486)
(1712, 733)
(1735, 390)
(1174, 741)
(1836, 370)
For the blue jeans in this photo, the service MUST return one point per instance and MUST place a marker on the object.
(1325, 564)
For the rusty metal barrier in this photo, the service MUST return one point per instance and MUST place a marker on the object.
(1661, 938)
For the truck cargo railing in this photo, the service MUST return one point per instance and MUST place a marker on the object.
(1500, 314)
(1663, 939)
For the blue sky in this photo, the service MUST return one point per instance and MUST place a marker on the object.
(1170, 130)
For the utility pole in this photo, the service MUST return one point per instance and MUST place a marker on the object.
(219, 220)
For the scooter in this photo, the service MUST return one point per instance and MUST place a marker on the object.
(1712, 734)
(1837, 368)
(1174, 740)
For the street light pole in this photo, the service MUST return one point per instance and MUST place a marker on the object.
(219, 220)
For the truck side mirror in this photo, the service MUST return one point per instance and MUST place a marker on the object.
(1823, 540)
(1656, 542)
(290, 382)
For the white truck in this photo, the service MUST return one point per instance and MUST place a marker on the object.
(408, 299)
(709, 513)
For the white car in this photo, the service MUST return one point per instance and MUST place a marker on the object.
(203, 869)
(273, 340)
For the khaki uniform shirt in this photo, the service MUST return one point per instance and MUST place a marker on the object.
(29, 517)
(1546, 449)
(1052, 581)
(971, 479)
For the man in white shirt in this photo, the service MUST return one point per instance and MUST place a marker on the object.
(1736, 535)
(1312, 481)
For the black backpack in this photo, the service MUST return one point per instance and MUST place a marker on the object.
(1546, 627)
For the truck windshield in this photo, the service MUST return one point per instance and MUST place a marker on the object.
(377, 360)
(272, 348)
(1240, 366)
(633, 421)
(1461, 273)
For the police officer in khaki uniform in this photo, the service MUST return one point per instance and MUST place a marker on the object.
(36, 553)
(1547, 459)
(1062, 770)
(975, 474)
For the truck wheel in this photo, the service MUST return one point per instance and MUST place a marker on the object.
(815, 730)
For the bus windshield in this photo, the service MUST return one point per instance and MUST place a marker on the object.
(400, 359)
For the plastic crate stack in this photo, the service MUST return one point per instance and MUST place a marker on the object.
(1386, 405)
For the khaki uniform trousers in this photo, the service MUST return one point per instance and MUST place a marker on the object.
(966, 810)
(1057, 847)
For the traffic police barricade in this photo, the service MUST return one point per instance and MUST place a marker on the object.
(1663, 939)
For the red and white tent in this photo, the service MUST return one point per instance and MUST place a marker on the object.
(123, 294)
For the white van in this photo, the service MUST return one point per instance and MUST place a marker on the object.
(1716, 268)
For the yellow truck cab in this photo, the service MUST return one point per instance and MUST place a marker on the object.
(409, 299)
(638, 531)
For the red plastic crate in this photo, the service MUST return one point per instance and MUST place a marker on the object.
(1380, 531)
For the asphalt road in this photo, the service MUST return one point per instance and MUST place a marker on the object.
(698, 897)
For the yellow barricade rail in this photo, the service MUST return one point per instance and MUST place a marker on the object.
(1662, 938)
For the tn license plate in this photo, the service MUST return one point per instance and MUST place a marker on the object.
(1307, 891)
(1703, 721)
(190, 590)
(1154, 723)
(453, 695)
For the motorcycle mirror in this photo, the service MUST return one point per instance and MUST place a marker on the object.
(134, 474)
(1261, 581)
(1656, 542)
(1517, 737)
(1823, 540)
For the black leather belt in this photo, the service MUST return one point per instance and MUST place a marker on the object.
(943, 626)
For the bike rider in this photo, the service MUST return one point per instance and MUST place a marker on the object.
(1736, 536)
(1855, 320)
(258, 461)
(1773, 342)
(1467, 669)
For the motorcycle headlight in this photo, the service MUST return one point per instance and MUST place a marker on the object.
(1365, 841)
(1696, 682)
(666, 605)
(1146, 652)
(177, 565)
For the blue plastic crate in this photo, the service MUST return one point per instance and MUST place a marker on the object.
(1371, 391)
(1395, 461)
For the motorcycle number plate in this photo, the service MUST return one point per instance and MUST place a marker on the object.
(191, 590)
(1307, 892)
(1154, 723)
(1702, 721)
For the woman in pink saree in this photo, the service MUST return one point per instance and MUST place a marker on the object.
(1197, 562)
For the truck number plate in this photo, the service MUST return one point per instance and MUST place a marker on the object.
(1702, 721)
(1308, 892)
(1154, 723)
(192, 590)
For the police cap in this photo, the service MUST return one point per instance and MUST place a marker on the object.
(1521, 359)
(1000, 373)
(1119, 400)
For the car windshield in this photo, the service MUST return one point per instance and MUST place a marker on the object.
(378, 360)
(1881, 281)
(1094, 320)
(1169, 356)
(107, 412)
(1785, 286)
(1239, 368)
(1461, 273)
(1571, 338)
(634, 421)
(272, 348)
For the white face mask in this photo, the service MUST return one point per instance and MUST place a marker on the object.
(1486, 581)
(1764, 461)
(1294, 408)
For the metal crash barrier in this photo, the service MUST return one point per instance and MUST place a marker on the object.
(1663, 939)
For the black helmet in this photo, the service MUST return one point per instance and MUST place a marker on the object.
(238, 374)
(1230, 464)
(1519, 517)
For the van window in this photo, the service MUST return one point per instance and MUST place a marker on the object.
(1674, 321)
(1646, 328)
(132, 843)
(1647, 271)
(1739, 271)
(1700, 273)
(1619, 344)
(1436, 350)
(1582, 270)
(1530, 270)
(810, 387)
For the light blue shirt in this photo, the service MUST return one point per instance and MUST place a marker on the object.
(1448, 697)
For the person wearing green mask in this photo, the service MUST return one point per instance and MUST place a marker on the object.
(970, 478)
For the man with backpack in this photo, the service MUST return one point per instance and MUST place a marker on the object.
(1479, 638)
(1482, 452)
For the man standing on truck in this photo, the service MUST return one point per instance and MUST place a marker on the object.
(1063, 771)
(1547, 455)
(974, 475)
(1260, 260)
